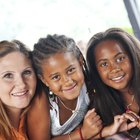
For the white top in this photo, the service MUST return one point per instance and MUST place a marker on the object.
(74, 120)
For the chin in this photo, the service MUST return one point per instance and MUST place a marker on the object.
(23, 105)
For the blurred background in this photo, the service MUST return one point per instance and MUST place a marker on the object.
(29, 20)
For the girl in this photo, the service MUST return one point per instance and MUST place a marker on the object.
(61, 67)
(18, 84)
(113, 58)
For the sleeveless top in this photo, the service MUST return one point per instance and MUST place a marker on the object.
(74, 120)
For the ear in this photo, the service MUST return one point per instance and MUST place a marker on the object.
(43, 80)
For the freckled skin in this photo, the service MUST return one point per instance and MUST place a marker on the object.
(113, 64)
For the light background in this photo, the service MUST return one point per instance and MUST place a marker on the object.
(28, 20)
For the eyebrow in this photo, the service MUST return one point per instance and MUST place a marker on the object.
(69, 67)
(51, 75)
(28, 68)
(7, 72)
(114, 57)
(58, 73)
(119, 54)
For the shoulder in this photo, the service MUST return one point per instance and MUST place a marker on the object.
(40, 101)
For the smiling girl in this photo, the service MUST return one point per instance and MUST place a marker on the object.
(62, 68)
(113, 58)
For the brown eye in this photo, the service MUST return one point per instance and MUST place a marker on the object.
(8, 76)
(120, 59)
(27, 72)
(56, 77)
(71, 70)
(104, 64)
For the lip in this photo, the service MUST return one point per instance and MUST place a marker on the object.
(20, 94)
(118, 78)
(69, 89)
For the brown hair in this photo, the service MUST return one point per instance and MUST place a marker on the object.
(7, 47)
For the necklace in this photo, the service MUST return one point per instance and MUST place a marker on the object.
(128, 106)
(73, 111)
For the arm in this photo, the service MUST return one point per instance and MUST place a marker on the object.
(38, 118)
(91, 127)
(39, 125)
(119, 125)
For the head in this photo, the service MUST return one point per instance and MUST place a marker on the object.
(59, 64)
(17, 77)
(113, 64)
(114, 61)
(113, 56)
(17, 80)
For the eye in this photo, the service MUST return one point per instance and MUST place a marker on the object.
(55, 78)
(8, 76)
(120, 58)
(71, 70)
(103, 64)
(27, 72)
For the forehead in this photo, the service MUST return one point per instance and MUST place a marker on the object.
(59, 61)
(13, 59)
(109, 46)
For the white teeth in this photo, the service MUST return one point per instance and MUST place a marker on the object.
(19, 94)
(117, 78)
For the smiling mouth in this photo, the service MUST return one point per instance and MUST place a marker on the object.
(70, 88)
(117, 79)
(18, 94)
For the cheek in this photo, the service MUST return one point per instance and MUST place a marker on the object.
(4, 94)
(128, 69)
(54, 87)
(32, 83)
(103, 75)
(81, 76)
(100, 72)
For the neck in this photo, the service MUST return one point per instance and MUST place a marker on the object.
(127, 93)
(69, 104)
(130, 101)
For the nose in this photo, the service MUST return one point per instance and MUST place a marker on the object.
(20, 82)
(114, 67)
(67, 79)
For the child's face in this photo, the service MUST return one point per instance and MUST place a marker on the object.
(113, 64)
(62, 73)
(17, 81)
